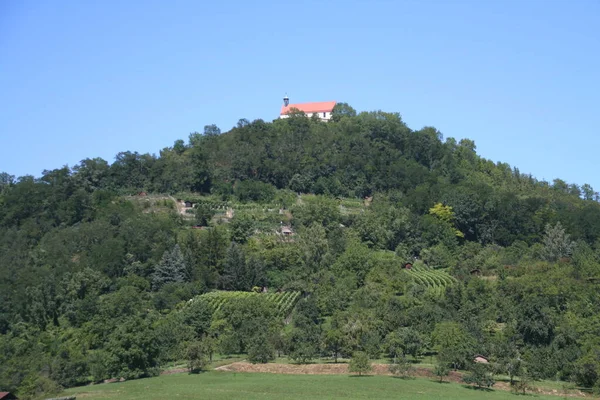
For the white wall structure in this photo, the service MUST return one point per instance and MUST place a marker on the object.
(321, 109)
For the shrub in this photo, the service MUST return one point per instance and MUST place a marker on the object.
(360, 363)
(402, 367)
(480, 375)
(441, 370)
(196, 356)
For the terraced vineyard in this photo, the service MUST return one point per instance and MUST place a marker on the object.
(284, 302)
(435, 281)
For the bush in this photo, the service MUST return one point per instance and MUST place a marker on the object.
(480, 375)
(34, 386)
(521, 386)
(441, 370)
(402, 367)
(360, 363)
(196, 356)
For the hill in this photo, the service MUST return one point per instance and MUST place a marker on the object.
(389, 241)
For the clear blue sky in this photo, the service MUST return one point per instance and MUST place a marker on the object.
(85, 79)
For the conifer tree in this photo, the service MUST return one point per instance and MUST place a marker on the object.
(171, 269)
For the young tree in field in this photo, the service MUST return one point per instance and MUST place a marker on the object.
(441, 370)
(480, 375)
(360, 363)
(401, 367)
(196, 356)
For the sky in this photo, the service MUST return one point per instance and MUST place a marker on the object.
(85, 79)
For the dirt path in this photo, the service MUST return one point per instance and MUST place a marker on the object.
(378, 369)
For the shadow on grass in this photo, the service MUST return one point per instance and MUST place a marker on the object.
(361, 376)
(405, 378)
(197, 372)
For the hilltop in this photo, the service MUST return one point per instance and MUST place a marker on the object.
(300, 238)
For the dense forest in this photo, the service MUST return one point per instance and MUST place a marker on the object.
(401, 244)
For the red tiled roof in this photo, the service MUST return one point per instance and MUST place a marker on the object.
(323, 106)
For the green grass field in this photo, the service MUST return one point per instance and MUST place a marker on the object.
(226, 385)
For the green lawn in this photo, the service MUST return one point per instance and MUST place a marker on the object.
(226, 385)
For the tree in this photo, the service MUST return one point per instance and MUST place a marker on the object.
(234, 275)
(480, 375)
(196, 356)
(402, 367)
(197, 314)
(171, 268)
(203, 214)
(453, 343)
(260, 349)
(557, 243)
(334, 342)
(132, 349)
(342, 110)
(241, 228)
(6, 181)
(211, 130)
(441, 370)
(360, 363)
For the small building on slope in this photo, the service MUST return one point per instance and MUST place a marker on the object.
(321, 109)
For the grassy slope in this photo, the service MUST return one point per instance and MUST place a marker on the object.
(224, 385)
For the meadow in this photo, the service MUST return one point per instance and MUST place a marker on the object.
(217, 385)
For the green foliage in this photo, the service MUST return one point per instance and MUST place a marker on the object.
(203, 214)
(334, 343)
(454, 345)
(171, 269)
(304, 339)
(282, 302)
(557, 243)
(402, 342)
(441, 370)
(250, 190)
(260, 349)
(360, 363)
(196, 356)
(97, 267)
(241, 228)
(480, 375)
(317, 210)
(401, 367)
(238, 321)
(34, 386)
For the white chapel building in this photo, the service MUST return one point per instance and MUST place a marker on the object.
(322, 109)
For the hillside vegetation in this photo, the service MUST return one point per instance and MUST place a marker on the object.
(99, 262)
